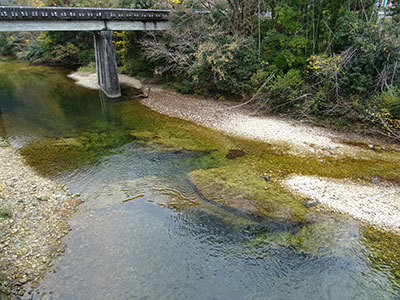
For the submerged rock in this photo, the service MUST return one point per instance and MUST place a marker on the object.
(310, 203)
(3, 143)
(23, 280)
(235, 153)
(73, 142)
(267, 177)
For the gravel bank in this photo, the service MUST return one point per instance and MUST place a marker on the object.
(241, 121)
(377, 204)
(238, 121)
(34, 214)
(89, 80)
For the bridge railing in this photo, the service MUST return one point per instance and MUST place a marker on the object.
(81, 13)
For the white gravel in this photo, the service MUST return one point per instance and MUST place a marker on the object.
(298, 137)
(273, 129)
(375, 204)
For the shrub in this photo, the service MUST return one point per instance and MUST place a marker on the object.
(285, 90)
(8, 43)
(387, 102)
(66, 48)
(216, 66)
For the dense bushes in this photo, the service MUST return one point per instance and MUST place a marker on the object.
(362, 80)
(62, 48)
(216, 65)
(9, 43)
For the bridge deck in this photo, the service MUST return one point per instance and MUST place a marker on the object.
(26, 18)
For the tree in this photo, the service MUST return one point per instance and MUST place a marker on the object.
(244, 12)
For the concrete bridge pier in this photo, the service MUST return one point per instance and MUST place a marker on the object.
(106, 64)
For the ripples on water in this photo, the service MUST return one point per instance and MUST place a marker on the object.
(144, 230)
(167, 242)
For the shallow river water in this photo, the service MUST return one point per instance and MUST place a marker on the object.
(146, 232)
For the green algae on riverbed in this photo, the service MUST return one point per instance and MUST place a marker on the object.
(382, 250)
(238, 183)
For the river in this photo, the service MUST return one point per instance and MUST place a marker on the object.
(145, 231)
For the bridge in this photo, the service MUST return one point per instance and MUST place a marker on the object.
(101, 21)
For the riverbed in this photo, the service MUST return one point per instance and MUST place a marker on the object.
(168, 213)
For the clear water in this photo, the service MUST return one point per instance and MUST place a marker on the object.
(144, 231)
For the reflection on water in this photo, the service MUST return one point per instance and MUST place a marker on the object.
(144, 230)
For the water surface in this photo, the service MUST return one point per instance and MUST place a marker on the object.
(145, 231)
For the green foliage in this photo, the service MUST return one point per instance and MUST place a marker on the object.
(285, 89)
(58, 2)
(136, 3)
(216, 64)
(283, 52)
(186, 86)
(2, 216)
(388, 101)
(362, 80)
(200, 47)
(91, 3)
(131, 54)
(66, 48)
(89, 68)
(9, 43)
(34, 52)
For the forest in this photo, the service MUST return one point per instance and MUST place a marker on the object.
(328, 62)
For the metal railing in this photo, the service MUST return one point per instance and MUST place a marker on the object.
(81, 13)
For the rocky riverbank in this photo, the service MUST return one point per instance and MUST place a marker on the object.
(34, 214)
(374, 202)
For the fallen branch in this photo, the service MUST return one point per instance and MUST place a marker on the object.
(252, 98)
(298, 98)
(145, 95)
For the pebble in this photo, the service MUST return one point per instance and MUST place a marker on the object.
(23, 280)
(220, 116)
(43, 198)
(310, 203)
